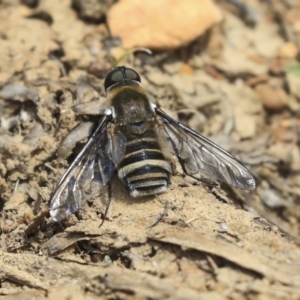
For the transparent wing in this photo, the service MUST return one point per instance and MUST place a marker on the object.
(198, 154)
(91, 169)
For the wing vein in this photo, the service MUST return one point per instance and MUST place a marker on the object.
(197, 154)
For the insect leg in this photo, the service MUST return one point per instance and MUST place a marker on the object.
(109, 191)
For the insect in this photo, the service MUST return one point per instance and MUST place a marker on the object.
(135, 138)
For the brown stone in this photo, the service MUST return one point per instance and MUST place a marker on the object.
(273, 98)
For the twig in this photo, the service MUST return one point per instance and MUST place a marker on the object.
(160, 216)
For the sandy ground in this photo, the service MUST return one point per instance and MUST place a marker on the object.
(238, 85)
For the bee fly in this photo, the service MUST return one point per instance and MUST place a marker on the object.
(135, 137)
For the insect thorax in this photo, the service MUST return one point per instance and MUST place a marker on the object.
(131, 106)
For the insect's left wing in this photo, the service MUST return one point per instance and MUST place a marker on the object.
(92, 168)
(197, 154)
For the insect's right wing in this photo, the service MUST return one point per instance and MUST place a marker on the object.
(197, 154)
(92, 168)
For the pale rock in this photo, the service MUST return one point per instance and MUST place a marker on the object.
(244, 124)
(297, 27)
(247, 50)
(288, 50)
(246, 110)
(287, 152)
(181, 81)
(161, 24)
(49, 69)
(20, 50)
(293, 104)
(286, 130)
(271, 198)
(75, 74)
(71, 37)
(4, 76)
(158, 78)
(239, 45)
(294, 84)
(265, 40)
(240, 64)
(173, 67)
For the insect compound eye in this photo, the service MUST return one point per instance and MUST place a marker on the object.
(132, 75)
(121, 75)
(113, 77)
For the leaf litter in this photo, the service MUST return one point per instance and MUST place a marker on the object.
(187, 243)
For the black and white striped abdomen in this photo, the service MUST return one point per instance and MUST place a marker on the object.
(144, 169)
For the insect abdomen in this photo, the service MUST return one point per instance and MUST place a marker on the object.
(144, 169)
